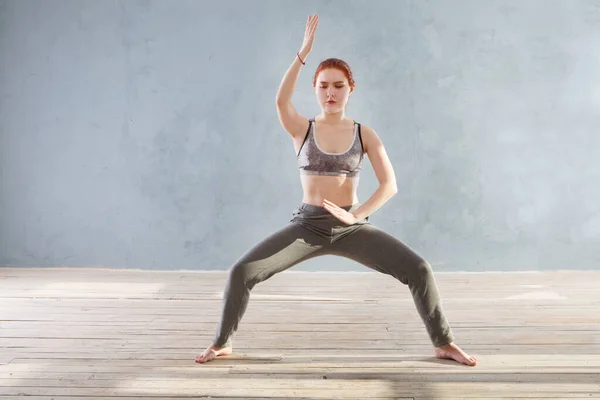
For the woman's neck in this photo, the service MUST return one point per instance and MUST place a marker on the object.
(332, 118)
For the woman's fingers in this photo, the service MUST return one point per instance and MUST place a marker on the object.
(334, 209)
(311, 25)
(312, 21)
(329, 202)
(332, 206)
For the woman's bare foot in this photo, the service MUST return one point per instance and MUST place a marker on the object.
(212, 352)
(453, 352)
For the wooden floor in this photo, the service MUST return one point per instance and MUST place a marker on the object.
(120, 334)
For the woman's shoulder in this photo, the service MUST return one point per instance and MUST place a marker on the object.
(365, 129)
(369, 137)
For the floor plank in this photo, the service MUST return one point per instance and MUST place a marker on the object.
(125, 334)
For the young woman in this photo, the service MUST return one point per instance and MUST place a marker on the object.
(330, 220)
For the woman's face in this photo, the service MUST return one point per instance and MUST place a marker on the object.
(333, 90)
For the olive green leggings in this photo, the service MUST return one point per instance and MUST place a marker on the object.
(314, 232)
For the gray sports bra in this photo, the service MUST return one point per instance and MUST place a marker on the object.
(312, 160)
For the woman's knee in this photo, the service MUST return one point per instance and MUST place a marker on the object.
(423, 270)
(242, 273)
(419, 271)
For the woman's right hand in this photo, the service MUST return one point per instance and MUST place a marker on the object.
(309, 35)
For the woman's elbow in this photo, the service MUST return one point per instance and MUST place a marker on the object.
(391, 188)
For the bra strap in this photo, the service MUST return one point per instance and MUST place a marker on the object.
(360, 137)
(310, 122)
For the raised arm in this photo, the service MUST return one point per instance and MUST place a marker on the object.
(294, 123)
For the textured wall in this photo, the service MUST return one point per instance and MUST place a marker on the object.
(144, 134)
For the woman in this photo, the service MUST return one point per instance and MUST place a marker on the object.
(330, 150)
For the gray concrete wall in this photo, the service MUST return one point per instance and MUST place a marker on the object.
(143, 134)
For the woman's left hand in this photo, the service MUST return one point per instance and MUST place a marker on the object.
(340, 213)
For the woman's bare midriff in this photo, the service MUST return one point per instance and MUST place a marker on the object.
(337, 189)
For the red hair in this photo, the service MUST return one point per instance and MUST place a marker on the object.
(338, 64)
